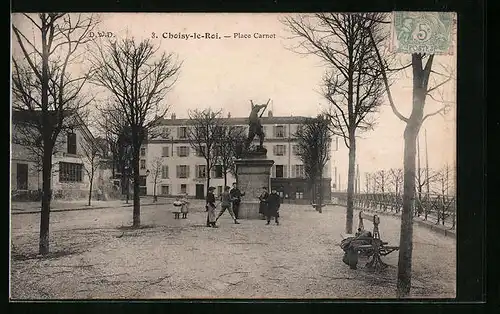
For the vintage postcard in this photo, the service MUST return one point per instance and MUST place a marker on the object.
(233, 156)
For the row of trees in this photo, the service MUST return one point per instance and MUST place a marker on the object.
(427, 181)
(359, 67)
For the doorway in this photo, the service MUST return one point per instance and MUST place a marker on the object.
(200, 191)
(22, 176)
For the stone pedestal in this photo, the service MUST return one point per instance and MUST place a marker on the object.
(254, 172)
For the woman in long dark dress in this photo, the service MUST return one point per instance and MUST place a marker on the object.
(263, 202)
(273, 206)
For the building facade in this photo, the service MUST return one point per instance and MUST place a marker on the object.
(69, 176)
(182, 171)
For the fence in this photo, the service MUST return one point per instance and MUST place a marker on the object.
(440, 209)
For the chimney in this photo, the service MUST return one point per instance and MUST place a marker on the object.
(173, 116)
(229, 114)
(270, 114)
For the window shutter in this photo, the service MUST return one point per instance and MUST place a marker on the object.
(284, 131)
(273, 174)
(187, 172)
(284, 150)
(178, 132)
(166, 172)
(187, 150)
(178, 170)
(274, 131)
(285, 171)
(275, 150)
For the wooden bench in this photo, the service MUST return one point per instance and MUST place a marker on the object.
(378, 247)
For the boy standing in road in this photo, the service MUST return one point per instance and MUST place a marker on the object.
(226, 201)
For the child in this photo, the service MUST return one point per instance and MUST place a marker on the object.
(184, 207)
(177, 206)
(263, 202)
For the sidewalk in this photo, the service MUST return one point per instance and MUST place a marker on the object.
(62, 206)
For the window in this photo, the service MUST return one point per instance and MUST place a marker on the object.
(182, 171)
(71, 143)
(299, 195)
(295, 150)
(280, 171)
(142, 181)
(70, 172)
(165, 152)
(143, 151)
(165, 190)
(182, 132)
(279, 131)
(143, 164)
(201, 171)
(298, 171)
(217, 171)
(279, 150)
(183, 188)
(164, 172)
(183, 151)
(219, 190)
(165, 133)
(200, 151)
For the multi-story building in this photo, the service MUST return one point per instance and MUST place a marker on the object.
(183, 171)
(69, 177)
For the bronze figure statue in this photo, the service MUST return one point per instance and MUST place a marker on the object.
(255, 125)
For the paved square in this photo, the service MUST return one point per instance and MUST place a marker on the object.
(95, 257)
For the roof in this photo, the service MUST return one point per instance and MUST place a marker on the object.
(31, 116)
(242, 121)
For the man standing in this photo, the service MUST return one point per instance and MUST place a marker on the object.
(210, 206)
(236, 195)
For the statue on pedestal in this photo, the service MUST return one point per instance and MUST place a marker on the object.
(256, 126)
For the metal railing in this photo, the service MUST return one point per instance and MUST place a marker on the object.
(439, 209)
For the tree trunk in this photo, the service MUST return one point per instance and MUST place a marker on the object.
(406, 238)
(208, 177)
(225, 179)
(154, 190)
(320, 201)
(350, 183)
(137, 197)
(90, 188)
(43, 248)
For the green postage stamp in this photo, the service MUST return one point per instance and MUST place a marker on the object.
(423, 32)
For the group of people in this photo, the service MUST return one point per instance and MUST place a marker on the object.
(230, 201)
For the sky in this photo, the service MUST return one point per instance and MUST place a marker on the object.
(227, 73)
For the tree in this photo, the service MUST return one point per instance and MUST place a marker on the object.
(421, 89)
(156, 168)
(313, 149)
(110, 125)
(91, 157)
(45, 85)
(396, 180)
(352, 83)
(138, 80)
(202, 135)
(229, 138)
(381, 180)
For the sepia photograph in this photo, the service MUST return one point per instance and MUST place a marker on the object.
(209, 156)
